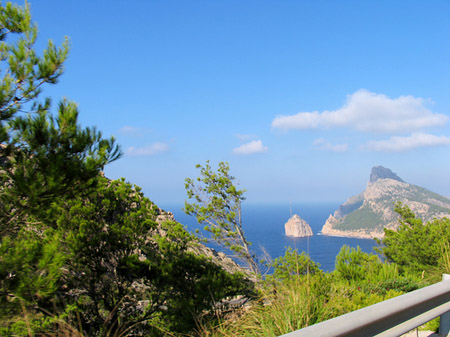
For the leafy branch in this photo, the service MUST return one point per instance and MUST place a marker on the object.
(216, 202)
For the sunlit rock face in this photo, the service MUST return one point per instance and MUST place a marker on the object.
(367, 214)
(297, 227)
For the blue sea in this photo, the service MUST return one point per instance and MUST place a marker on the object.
(264, 227)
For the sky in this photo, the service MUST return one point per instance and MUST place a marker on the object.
(301, 98)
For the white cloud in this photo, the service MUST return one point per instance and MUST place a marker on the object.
(255, 146)
(131, 130)
(400, 144)
(324, 145)
(368, 111)
(149, 150)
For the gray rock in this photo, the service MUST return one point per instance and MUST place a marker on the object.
(380, 172)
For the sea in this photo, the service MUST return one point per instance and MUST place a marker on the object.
(263, 225)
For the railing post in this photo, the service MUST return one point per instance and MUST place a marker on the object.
(444, 323)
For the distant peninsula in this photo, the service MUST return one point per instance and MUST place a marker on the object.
(367, 214)
(297, 227)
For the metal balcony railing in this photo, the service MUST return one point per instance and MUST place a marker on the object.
(389, 318)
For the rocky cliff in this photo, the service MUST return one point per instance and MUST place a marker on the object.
(297, 227)
(367, 214)
(219, 258)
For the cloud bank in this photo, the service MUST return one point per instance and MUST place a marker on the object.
(368, 112)
(255, 146)
(149, 150)
(400, 144)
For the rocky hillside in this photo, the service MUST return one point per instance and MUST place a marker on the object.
(218, 258)
(367, 214)
(297, 227)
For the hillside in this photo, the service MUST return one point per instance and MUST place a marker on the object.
(367, 214)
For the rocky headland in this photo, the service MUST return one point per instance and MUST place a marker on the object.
(367, 214)
(297, 227)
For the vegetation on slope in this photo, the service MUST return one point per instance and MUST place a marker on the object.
(414, 256)
(375, 208)
(362, 218)
(78, 250)
(304, 298)
(81, 255)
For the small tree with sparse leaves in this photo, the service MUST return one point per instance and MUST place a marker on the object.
(216, 203)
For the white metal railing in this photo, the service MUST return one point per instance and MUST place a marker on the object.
(389, 318)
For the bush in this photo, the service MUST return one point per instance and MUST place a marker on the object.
(293, 264)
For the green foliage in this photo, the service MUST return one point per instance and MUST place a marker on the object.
(216, 202)
(30, 267)
(346, 297)
(290, 305)
(104, 235)
(49, 157)
(363, 217)
(25, 72)
(85, 255)
(42, 158)
(194, 286)
(369, 273)
(76, 247)
(296, 303)
(360, 280)
(126, 269)
(293, 264)
(416, 247)
(119, 270)
(354, 265)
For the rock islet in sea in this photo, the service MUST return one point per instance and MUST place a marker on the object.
(297, 227)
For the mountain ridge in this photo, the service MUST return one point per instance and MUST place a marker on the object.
(368, 213)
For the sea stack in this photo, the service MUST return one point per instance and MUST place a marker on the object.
(297, 227)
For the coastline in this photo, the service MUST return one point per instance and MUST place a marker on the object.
(264, 227)
(343, 234)
(328, 230)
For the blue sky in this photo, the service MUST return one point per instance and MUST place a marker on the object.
(302, 98)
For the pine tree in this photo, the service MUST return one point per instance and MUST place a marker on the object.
(73, 243)
(42, 157)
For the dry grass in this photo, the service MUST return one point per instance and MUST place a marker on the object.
(280, 310)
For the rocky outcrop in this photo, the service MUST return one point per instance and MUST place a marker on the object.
(218, 258)
(380, 172)
(367, 214)
(297, 227)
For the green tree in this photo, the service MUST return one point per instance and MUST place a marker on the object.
(215, 201)
(108, 264)
(30, 267)
(293, 264)
(24, 72)
(417, 247)
(369, 274)
(42, 157)
(73, 243)
(353, 264)
(128, 273)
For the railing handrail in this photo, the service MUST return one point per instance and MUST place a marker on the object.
(389, 318)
